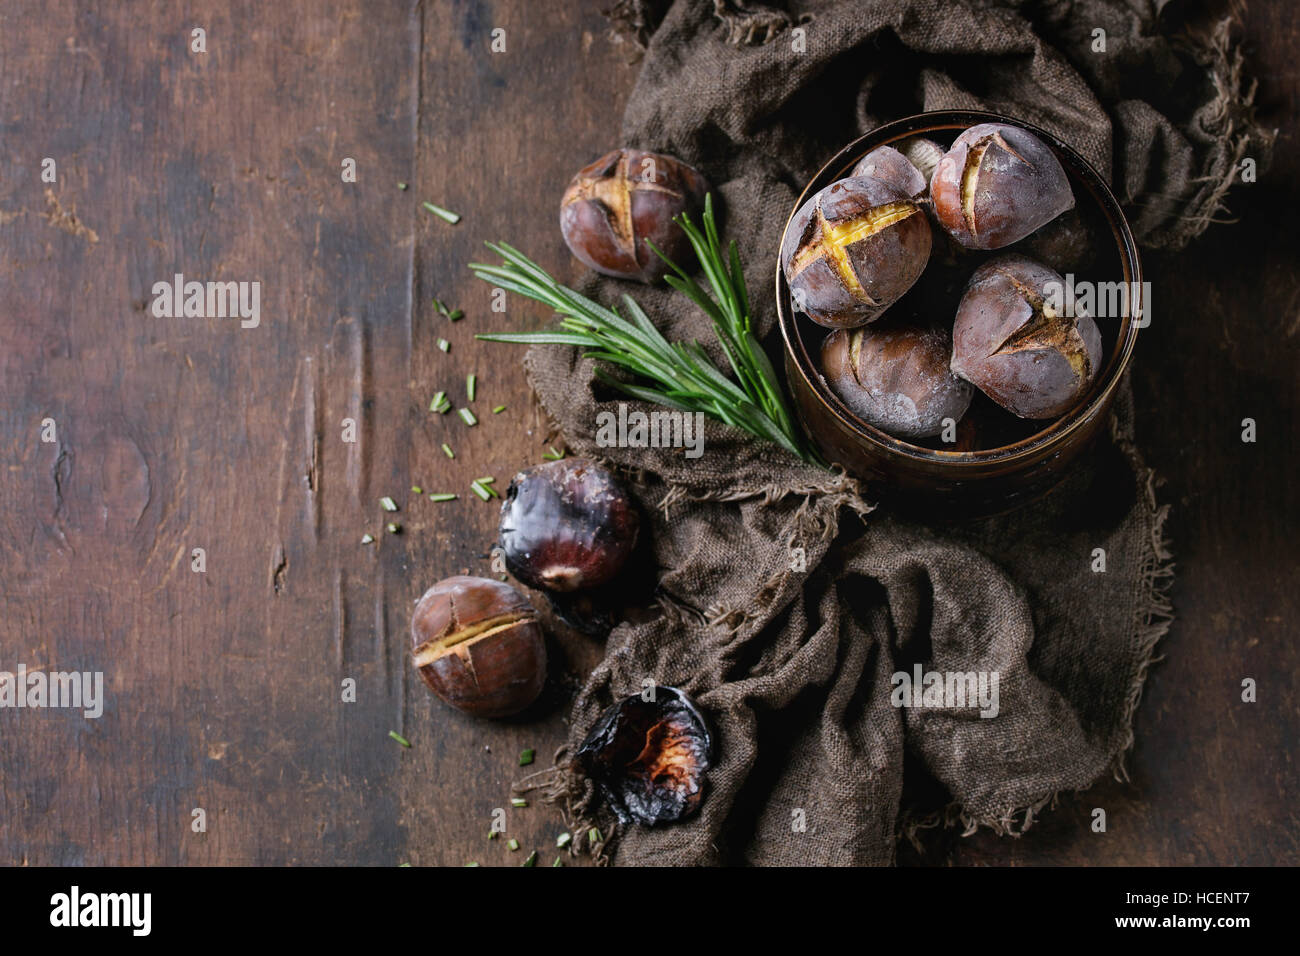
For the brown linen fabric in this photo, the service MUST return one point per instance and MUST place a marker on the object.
(794, 666)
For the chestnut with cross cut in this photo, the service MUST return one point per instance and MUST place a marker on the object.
(478, 646)
(996, 185)
(623, 201)
(1014, 342)
(852, 251)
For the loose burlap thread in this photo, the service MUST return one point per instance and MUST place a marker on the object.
(794, 665)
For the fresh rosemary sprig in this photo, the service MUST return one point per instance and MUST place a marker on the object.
(682, 374)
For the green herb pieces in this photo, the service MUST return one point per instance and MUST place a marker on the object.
(442, 497)
(479, 490)
(402, 186)
(472, 863)
(387, 503)
(444, 345)
(498, 410)
(557, 862)
(399, 738)
(471, 385)
(553, 455)
(513, 844)
(438, 304)
(416, 489)
(492, 834)
(519, 802)
(467, 417)
(393, 527)
(445, 214)
(593, 836)
(367, 538)
(440, 403)
(446, 450)
(681, 374)
(564, 839)
(455, 315)
(526, 756)
(531, 861)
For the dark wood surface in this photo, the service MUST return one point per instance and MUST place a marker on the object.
(224, 687)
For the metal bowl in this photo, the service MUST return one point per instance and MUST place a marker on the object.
(986, 479)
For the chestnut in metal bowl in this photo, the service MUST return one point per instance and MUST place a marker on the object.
(999, 461)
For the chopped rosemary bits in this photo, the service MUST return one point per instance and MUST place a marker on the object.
(416, 489)
(525, 757)
(387, 503)
(399, 738)
(438, 304)
(467, 417)
(367, 538)
(472, 863)
(471, 383)
(446, 449)
(479, 490)
(554, 455)
(444, 345)
(531, 861)
(455, 315)
(557, 862)
(518, 802)
(393, 527)
(492, 834)
(437, 401)
(593, 836)
(498, 410)
(444, 214)
(564, 839)
(513, 844)
(442, 497)
(402, 186)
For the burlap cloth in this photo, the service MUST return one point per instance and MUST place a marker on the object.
(794, 666)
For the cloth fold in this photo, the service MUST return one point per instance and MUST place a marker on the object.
(788, 601)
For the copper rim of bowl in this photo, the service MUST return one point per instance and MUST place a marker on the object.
(1057, 430)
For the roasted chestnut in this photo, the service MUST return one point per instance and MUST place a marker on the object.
(623, 199)
(922, 153)
(852, 250)
(648, 758)
(997, 184)
(567, 525)
(896, 377)
(889, 165)
(1013, 342)
(478, 646)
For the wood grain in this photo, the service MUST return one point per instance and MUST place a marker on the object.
(224, 687)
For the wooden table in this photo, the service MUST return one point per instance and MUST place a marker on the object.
(224, 686)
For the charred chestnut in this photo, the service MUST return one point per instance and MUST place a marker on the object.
(623, 199)
(896, 377)
(996, 185)
(852, 251)
(478, 646)
(567, 525)
(890, 166)
(649, 757)
(1013, 342)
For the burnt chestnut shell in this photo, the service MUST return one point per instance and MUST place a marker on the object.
(649, 757)
(567, 525)
(996, 185)
(628, 196)
(853, 249)
(478, 646)
(1011, 343)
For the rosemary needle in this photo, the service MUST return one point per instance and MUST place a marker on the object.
(442, 497)
(445, 214)
(399, 738)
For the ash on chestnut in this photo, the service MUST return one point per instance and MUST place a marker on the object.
(996, 185)
(649, 757)
(852, 250)
(478, 646)
(895, 376)
(567, 526)
(624, 199)
(1011, 343)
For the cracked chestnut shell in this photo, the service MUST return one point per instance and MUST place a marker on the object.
(623, 199)
(567, 525)
(1014, 346)
(996, 185)
(896, 377)
(649, 758)
(478, 646)
(852, 250)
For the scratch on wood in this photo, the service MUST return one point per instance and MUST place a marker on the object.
(312, 423)
(279, 567)
(340, 618)
(66, 220)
